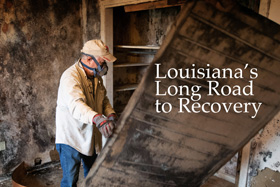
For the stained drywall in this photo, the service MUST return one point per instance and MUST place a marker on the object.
(39, 39)
(93, 20)
(265, 151)
(265, 147)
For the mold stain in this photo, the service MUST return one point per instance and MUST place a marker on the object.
(266, 155)
(31, 66)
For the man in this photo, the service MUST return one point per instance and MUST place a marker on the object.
(82, 105)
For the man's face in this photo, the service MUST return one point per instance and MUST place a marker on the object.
(91, 62)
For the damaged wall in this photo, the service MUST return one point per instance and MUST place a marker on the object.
(148, 27)
(265, 147)
(265, 150)
(264, 163)
(39, 39)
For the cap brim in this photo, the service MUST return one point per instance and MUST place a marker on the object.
(109, 58)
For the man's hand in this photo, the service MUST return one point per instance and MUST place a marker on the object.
(104, 125)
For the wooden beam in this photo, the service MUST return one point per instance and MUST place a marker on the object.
(152, 5)
(264, 7)
(106, 15)
(243, 166)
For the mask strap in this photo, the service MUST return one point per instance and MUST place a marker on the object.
(99, 68)
(98, 65)
(92, 69)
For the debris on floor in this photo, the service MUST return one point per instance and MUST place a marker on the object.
(266, 177)
(49, 174)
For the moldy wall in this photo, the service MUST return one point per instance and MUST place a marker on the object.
(148, 27)
(265, 153)
(264, 163)
(39, 39)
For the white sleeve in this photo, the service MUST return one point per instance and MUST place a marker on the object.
(75, 99)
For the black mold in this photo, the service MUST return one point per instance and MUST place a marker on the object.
(30, 74)
(266, 155)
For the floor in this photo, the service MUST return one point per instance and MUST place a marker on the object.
(51, 176)
(48, 177)
(217, 182)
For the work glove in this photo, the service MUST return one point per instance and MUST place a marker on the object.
(104, 125)
(113, 117)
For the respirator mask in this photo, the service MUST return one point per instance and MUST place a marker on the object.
(100, 70)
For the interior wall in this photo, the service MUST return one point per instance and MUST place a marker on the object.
(264, 163)
(92, 30)
(265, 152)
(148, 27)
(39, 39)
